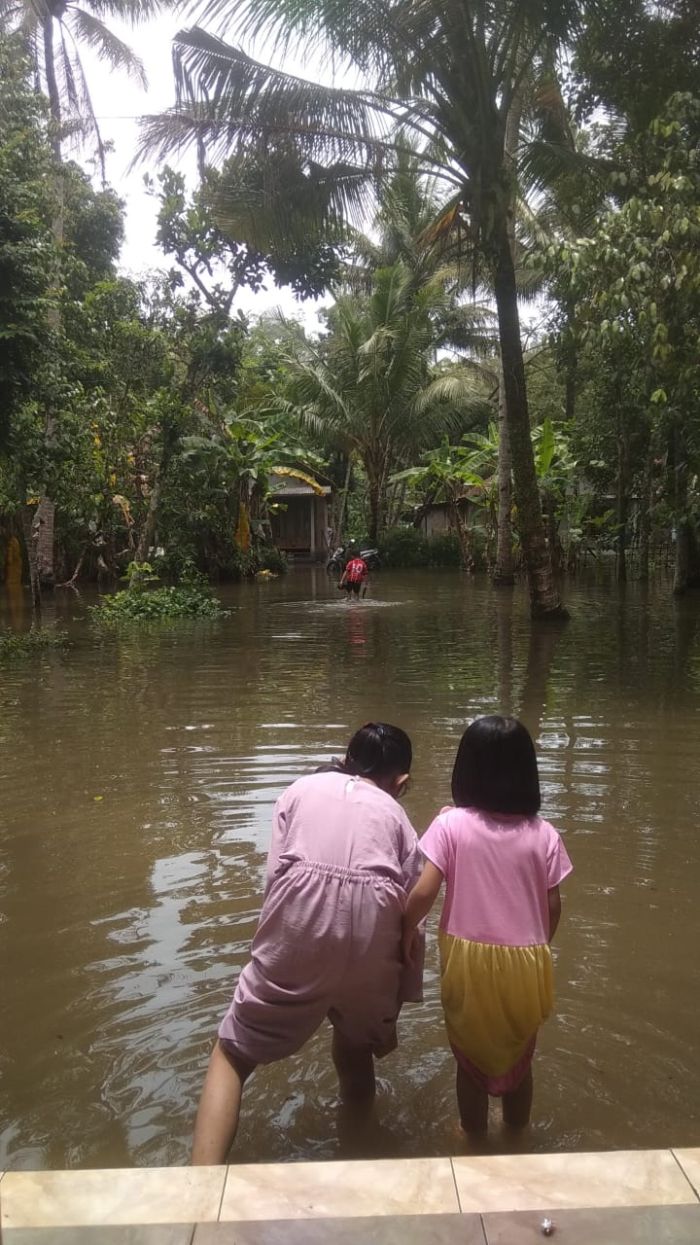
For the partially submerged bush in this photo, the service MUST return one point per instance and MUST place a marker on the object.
(272, 559)
(443, 549)
(15, 645)
(406, 547)
(187, 601)
(403, 547)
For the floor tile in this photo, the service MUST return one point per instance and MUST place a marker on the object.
(638, 1225)
(132, 1234)
(690, 1162)
(334, 1190)
(528, 1181)
(167, 1195)
(382, 1230)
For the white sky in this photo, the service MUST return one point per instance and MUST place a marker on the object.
(119, 102)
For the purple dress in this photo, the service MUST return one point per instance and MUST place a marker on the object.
(342, 859)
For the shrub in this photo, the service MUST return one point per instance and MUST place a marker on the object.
(404, 547)
(443, 549)
(18, 644)
(272, 559)
(156, 605)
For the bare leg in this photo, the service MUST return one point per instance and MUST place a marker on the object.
(473, 1103)
(355, 1068)
(219, 1107)
(517, 1104)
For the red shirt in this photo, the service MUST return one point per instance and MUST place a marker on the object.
(356, 570)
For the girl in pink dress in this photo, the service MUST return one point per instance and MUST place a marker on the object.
(502, 865)
(342, 859)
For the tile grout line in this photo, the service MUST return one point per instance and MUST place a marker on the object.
(194, 1229)
(223, 1190)
(454, 1181)
(483, 1230)
(685, 1174)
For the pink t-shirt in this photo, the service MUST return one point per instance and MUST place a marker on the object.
(333, 819)
(497, 871)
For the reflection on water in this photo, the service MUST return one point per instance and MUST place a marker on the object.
(138, 775)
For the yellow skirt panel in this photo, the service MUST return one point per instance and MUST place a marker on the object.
(494, 998)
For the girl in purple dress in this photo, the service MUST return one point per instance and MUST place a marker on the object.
(342, 859)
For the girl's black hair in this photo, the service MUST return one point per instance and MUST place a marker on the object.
(378, 751)
(496, 768)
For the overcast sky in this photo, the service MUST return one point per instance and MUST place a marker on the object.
(118, 103)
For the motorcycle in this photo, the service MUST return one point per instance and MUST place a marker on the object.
(341, 556)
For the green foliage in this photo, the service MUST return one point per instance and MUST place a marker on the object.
(443, 550)
(405, 548)
(27, 253)
(18, 645)
(156, 605)
(271, 559)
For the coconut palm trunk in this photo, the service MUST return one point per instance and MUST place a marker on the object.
(544, 596)
(503, 570)
(45, 519)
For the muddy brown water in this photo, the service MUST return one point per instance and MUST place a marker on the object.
(137, 776)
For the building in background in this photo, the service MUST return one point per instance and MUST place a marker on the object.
(299, 510)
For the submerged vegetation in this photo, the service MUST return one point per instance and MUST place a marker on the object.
(156, 604)
(141, 602)
(550, 171)
(16, 645)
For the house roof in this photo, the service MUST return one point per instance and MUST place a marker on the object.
(288, 486)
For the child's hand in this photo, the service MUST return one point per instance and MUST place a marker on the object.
(409, 938)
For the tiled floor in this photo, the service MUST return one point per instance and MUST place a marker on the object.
(620, 1198)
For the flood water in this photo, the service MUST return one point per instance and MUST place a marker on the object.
(137, 776)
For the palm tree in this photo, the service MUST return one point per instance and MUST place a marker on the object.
(372, 389)
(442, 77)
(54, 31)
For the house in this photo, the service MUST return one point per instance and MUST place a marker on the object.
(299, 515)
(433, 519)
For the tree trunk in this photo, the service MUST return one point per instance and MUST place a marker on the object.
(544, 597)
(459, 528)
(343, 504)
(570, 363)
(44, 524)
(622, 504)
(30, 541)
(47, 510)
(148, 530)
(687, 568)
(503, 570)
(645, 515)
(375, 505)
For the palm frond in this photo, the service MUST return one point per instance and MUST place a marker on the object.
(91, 30)
(364, 32)
(541, 164)
(229, 102)
(131, 11)
(456, 388)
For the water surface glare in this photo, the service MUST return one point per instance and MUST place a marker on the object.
(138, 775)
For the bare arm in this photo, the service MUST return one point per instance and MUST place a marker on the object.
(554, 903)
(420, 901)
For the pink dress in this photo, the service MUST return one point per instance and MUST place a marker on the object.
(495, 961)
(342, 859)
